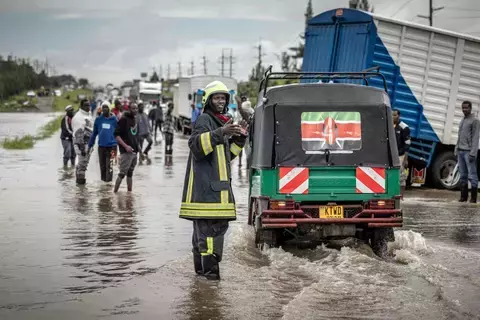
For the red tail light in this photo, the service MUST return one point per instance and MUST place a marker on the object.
(282, 205)
(381, 204)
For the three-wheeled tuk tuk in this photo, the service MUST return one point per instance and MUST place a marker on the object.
(325, 163)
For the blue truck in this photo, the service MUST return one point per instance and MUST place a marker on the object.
(429, 73)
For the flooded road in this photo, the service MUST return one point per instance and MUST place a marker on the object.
(69, 252)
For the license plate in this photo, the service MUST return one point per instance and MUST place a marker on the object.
(335, 212)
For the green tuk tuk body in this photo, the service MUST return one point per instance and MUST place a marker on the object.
(324, 165)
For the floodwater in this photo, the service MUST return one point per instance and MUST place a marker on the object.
(70, 252)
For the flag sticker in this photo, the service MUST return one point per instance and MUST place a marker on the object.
(339, 132)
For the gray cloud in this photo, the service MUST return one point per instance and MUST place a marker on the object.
(114, 40)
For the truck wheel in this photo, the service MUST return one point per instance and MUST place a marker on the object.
(379, 241)
(268, 237)
(444, 173)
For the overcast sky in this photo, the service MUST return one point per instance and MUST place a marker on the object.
(115, 40)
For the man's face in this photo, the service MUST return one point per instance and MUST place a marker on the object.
(134, 110)
(106, 110)
(141, 107)
(70, 113)
(219, 100)
(86, 106)
(467, 110)
(396, 117)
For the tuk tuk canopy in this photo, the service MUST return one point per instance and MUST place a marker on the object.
(324, 125)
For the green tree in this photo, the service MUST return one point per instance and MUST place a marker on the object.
(155, 77)
(83, 82)
(297, 52)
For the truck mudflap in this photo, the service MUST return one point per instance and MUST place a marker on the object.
(354, 214)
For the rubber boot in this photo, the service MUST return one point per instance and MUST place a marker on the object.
(117, 184)
(463, 193)
(81, 180)
(65, 163)
(211, 269)
(197, 263)
(73, 162)
(473, 195)
(130, 184)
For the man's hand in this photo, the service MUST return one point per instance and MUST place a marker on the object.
(232, 130)
(471, 158)
(129, 149)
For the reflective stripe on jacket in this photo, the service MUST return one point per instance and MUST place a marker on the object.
(207, 192)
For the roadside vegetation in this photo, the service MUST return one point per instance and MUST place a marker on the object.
(51, 127)
(70, 97)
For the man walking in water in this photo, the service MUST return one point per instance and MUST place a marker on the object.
(104, 127)
(156, 116)
(144, 133)
(126, 135)
(82, 124)
(67, 137)
(168, 130)
(466, 151)
(207, 195)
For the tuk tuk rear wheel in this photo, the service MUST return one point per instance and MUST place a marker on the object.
(379, 241)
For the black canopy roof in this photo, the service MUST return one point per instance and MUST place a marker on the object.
(277, 139)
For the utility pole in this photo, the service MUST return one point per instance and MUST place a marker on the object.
(231, 60)
(160, 70)
(204, 63)
(431, 10)
(260, 55)
(179, 69)
(222, 63)
(168, 72)
(192, 67)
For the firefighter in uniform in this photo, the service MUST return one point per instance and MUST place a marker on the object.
(207, 195)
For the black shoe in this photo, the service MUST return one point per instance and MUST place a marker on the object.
(473, 195)
(81, 181)
(463, 193)
(197, 263)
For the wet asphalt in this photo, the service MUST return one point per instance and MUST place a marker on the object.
(83, 252)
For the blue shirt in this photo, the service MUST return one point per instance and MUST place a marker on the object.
(105, 129)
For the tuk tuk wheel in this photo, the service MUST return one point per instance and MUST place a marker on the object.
(268, 238)
(379, 241)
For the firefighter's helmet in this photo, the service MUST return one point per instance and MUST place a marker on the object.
(215, 87)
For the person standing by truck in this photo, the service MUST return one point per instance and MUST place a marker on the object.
(156, 116)
(466, 151)
(104, 127)
(168, 130)
(402, 135)
(207, 198)
(67, 137)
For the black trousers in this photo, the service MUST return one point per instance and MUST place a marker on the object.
(168, 143)
(106, 156)
(157, 125)
(207, 241)
(141, 139)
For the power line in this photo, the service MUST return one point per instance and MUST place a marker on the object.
(431, 11)
(402, 7)
(192, 67)
(179, 69)
(168, 71)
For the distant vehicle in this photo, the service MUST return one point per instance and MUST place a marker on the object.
(31, 94)
(58, 93)
(185, 94)
(146, 91)
(429, 72)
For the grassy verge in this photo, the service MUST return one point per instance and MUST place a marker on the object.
(28, 141)
(25, 142)
(70, 97)
(17, 103)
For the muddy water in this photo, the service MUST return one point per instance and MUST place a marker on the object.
(69, 252)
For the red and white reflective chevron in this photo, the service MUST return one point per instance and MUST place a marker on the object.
(370, 180)
(294, 180)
